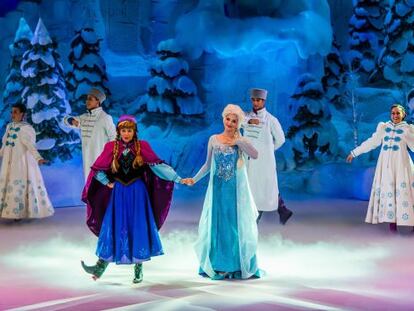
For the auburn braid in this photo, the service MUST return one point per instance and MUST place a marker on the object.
(138, 161)
(115, 164)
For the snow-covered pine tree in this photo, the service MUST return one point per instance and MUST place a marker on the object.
(313, 137)
(366, 28)
(15, 82)
(350, 99)
(397, 57)
(45, 97)
(333, 79)
(88, 69)
(170, 90)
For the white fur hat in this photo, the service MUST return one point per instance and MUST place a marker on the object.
(258, 93)
(98, 94)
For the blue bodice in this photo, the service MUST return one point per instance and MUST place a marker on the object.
(226, 161)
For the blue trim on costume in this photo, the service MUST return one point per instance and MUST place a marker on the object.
(102, 178)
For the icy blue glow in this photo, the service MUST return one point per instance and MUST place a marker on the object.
(227, 47)
(208, 29)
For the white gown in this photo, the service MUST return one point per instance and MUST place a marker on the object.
(392, 194)
(266, 137)
(97, 128)
(22, 191)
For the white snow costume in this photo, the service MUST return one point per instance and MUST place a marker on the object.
(22, 191)
(97, 128)
(266, 137)
(392, 194)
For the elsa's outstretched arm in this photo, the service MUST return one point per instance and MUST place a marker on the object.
(205, 169)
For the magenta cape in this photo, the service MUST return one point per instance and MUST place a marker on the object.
(96, 195)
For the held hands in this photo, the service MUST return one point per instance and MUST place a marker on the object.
(110, 185)
(349, 158)
(254, 121)
(188, 181)
(73, 121)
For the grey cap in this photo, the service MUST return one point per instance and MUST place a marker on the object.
(258, 93)
(98, 94)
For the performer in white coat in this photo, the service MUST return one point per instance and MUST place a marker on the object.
(96, 126)
(392, 194)
(266, 134)
(22, 191)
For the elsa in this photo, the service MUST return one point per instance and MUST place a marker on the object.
(227, 239)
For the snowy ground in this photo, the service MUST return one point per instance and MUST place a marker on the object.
(325, 258)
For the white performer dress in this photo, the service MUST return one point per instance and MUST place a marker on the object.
(266, 137)
(97, 128)
(22, 191)
(392, 194)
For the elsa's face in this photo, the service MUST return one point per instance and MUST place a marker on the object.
(230, 122)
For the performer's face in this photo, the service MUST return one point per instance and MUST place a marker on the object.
(230, 122)
(16, 114)
(91, 102)
(397, 115)
(257, 103)
(127, 134)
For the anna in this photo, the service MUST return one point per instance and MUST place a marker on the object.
(128, 194)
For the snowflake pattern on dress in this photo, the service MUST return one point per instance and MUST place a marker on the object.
(224, 157)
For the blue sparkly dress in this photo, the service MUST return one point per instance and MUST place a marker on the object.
(227, 239)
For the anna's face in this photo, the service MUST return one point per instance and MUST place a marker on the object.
(397, 115)
(127, 134)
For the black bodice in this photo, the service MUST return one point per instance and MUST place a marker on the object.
(127, 173)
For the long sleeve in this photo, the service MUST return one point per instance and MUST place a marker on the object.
(205, 169)
(410, 137)
(166, 172)
(245, 121)
(102, 177)
(66, 121)
(3, 142)
(28, 138)
(277, 133)
(371, 143)
(110, 128)
(247, 147)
